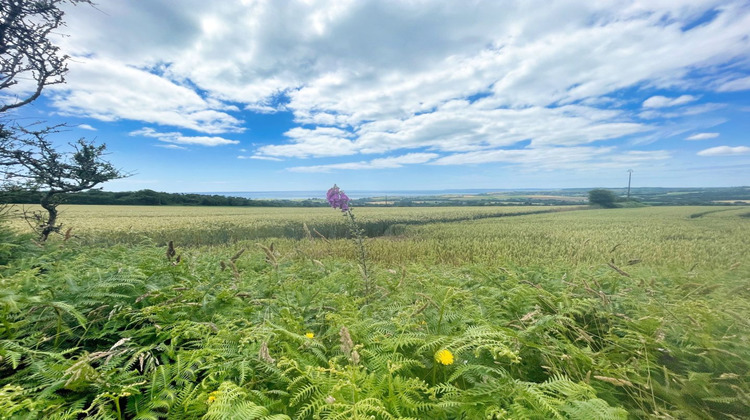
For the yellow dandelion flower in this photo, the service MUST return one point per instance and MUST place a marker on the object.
(444, 357)
(310, 335)
(212, 396)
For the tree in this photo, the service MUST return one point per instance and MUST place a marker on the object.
(30, 61)
(26, 51)
(36, 165)
(602, 197)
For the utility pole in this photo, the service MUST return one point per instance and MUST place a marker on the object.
(630, 175)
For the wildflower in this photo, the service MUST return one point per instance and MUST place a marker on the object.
(337, 198)
(212, 396)
(444, 357)
(330, 399)
(310, 335)
(344, 201)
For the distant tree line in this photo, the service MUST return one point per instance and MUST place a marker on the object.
(152, 198)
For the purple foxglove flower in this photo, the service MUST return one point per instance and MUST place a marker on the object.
(337, 198)
(332, 193)
(344, 199)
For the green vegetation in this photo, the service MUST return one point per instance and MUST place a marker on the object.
(150, 198)
(692, 196)
(589, 314)
(603, 198)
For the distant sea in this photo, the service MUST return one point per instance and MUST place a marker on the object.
(302, 195)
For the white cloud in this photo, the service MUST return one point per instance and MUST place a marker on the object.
(524, 67)
(86, 127)
(734, 85)
(178, 138)
(461, 126)
(681, 128)
(260, 158)
(682, 112)
(321, 141)
(382, 163)
(109, 91)
(264, 109)
(725, 151)
(529, 157)
(703, 136)
(663, 101)
(367, 77)
(557, 158)
(171, 146)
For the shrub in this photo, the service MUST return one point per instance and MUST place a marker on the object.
(602, 197)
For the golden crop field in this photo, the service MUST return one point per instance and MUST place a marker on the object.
(649, 236)
(674, 237)
(222, 225)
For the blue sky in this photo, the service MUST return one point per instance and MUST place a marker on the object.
(374, 95)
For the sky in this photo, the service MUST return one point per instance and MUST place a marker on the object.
(199, 96)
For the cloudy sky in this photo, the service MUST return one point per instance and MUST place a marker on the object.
(248, 95)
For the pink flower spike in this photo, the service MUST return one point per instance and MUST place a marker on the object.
(337, 198)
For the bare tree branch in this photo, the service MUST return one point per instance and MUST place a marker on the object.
(26, 51)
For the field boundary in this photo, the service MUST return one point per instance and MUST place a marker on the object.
(703, 213)
(468, 219)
